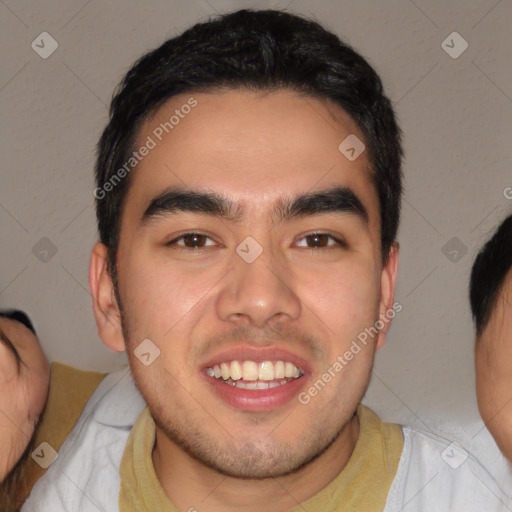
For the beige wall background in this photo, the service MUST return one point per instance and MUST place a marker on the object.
(456, 115)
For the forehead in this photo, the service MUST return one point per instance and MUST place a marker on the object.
(10, 326)
(251, 145)
(14, 330)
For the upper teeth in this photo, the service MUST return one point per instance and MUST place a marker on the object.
(250, 370)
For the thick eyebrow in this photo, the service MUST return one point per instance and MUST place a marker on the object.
(336, 199)
(10, 345)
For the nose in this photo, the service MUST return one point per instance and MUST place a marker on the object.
(257, 293)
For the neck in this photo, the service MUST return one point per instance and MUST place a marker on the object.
(192, 486)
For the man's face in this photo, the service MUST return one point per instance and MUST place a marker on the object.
(493, 361)
(203, 303)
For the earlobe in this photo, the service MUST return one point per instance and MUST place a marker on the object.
(105, 307)
(388, 284)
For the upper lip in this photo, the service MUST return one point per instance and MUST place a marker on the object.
(257, 354)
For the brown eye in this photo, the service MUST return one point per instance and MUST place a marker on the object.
(194, 240)
(321, 241)
(191, 241)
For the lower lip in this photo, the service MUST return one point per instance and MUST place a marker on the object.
(257, 400)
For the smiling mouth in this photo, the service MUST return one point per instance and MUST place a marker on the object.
(252, 375)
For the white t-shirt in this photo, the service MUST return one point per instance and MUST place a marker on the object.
(434, 475)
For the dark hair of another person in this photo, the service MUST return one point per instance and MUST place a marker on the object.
(16, 486)
(490, 268)
(264, 51)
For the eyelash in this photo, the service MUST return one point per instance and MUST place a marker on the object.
(340, 243)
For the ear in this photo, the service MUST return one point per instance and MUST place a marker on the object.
(105, 307)
(387, 310)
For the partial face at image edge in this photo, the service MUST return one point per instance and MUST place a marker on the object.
(493, 362)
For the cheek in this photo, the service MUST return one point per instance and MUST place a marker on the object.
(158, 295)
(346, 299)
(36, 394)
